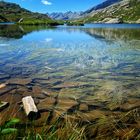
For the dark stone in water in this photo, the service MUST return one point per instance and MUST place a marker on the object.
(18, 81)
(83, 107)
(46, 104)
(6, 89)
(36, 90)
(40, 96)
(4, 77)
(3, 105)
(46, 93)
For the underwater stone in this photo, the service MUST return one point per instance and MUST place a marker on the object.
(46, 104)
(20, 81)
(83, 107)
(3, 105)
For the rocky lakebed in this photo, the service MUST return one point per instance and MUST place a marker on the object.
(90, 77)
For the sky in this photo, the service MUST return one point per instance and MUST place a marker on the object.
(48, 6)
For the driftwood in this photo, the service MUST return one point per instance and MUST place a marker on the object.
(30, 107)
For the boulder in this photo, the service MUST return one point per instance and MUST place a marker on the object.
(114, 21)
(138, 21)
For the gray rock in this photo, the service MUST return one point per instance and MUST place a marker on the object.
(138, 21)
(114, 21)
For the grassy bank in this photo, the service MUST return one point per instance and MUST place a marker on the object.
(107, 127)
(40, 22)
(13, 130)
(73, 23)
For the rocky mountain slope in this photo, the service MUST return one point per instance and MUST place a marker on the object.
(10, 12)
(127, 11)
(102, 5)
(73, 15)
(64, 16)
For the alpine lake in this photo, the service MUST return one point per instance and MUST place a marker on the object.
(88, 74)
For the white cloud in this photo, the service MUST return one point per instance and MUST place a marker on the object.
(46, 2)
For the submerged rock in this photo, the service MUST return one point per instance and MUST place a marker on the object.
(83, 107)
(66, 105)
(3, 105)
(4, 77)
(19, 81)
(36, 90)
(46, 104)
(92, 115)
(6, 89)
(72, 85)
(130, 104)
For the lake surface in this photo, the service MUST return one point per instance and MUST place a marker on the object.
(94, 71)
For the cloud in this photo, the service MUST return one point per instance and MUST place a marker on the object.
(46, 2)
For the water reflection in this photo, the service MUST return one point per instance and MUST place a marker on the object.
(17, 31)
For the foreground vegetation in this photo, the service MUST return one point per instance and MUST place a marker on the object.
(12, 130)
(113, 127)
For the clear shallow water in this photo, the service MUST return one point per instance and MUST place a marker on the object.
(98, 65)
(84, 48)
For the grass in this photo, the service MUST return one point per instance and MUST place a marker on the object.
(13, 130)
(110, 127)
(41, 22)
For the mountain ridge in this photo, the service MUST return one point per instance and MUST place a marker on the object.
(73, 15)
(11, 12)
(102, 5)
(109, 11)
(64, 16)
(125, 11)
